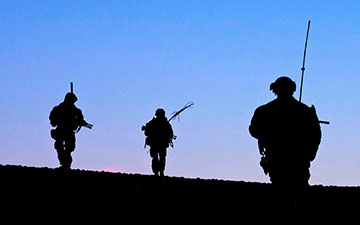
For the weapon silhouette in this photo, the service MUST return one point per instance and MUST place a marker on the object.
(86, 124)
(303, 68)
(177, 113)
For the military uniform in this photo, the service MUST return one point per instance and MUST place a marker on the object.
(67, 118)
(288, 134)
(159, 134)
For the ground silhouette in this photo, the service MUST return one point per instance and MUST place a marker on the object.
(79, 194)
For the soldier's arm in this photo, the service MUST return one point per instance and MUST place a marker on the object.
(254, 127)
(82, 122)
(171, 132)
(315, 126)
(52, 117)
(314, 133)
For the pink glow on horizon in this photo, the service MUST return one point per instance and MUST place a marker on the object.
(112, 169)
(120, 169)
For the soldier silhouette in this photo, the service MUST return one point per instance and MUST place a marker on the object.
(68, 120)
(288, 134)
(159, 136)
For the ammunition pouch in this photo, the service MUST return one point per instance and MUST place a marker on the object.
(148, 141)
(54, 134)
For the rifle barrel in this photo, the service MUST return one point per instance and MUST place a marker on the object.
(324, 122)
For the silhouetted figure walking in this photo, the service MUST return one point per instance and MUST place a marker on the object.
(288, 134)
(159, 135)
(68, 120)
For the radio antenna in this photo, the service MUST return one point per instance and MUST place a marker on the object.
(303, 64)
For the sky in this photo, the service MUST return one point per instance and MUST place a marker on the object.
(128, 58)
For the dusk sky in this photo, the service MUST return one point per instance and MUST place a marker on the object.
(128, 58)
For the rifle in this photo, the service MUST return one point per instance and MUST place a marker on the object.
(71, 87)
(85, 124)
(303, 69)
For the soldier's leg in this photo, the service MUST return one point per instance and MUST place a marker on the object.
(59, 147)
(162, 161)
(67, 160)
(289, 185)
(155, 161)
(69, 147)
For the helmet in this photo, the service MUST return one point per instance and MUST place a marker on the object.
(160, 112)
(283, 86)
(70, 98)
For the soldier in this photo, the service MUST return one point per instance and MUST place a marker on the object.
(288, 134)
(159, 135)
(68, 120)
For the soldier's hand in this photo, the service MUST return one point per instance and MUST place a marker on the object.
(88, 125)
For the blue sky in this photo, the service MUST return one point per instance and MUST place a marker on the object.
(127, 58)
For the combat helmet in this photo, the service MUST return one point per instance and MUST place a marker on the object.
(70, 98)
(283, 86)
(160, 112)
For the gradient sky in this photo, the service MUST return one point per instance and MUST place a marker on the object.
(127, 58)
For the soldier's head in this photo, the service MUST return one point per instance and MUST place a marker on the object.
(283, 87)
(160, 113)
(70, 98)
